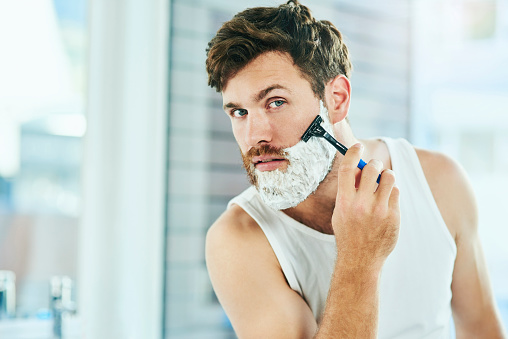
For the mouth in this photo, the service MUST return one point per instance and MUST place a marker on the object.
(269, 164)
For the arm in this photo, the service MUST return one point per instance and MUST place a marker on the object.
(366, 225)
(251, 286)
(474, 309)
(249, 282)
(473, 306)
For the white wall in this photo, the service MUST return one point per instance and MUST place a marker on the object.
(121, 237)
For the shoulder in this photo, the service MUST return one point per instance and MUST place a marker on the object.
(234, 225)
(440, 168)
(451, 189)
(233, 239)
(249, 282)
(247, 278)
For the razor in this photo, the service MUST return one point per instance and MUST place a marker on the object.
(316, 130)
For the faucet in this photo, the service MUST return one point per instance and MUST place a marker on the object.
(7, 294)
(60, 302)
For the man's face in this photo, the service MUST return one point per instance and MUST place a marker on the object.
(270, 105)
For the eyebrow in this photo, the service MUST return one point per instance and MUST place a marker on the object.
(259, 96)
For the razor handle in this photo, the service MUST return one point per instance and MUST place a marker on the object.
(343, 149)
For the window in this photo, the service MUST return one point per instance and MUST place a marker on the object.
(42, 93)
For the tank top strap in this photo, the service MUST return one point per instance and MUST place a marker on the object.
(405, 160)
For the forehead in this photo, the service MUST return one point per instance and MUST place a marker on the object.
(267, 69)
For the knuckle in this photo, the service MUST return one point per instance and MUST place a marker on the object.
(346, 167)
(355, 149)
(389, 173)
(351, 154)
(376, 163)
(374, 166)
(388, 176)
(341, 202)
(394, 217)
(380, 210)
(360, 209)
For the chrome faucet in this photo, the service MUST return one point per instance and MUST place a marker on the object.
(7, 294)
(60, 302)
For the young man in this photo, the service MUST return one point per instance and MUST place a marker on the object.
(316, 248)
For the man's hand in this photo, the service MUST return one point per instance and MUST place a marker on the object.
(366, 218)
(366, 222)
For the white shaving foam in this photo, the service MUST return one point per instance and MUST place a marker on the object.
(309, 163)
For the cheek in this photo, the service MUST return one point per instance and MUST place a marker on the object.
(296, 129)
(239, 137)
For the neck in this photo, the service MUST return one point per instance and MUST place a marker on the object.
(316, 211)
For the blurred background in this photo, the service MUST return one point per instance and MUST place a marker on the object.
(115, 156)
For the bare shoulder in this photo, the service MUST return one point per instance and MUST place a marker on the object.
(451, 189)
(440, 168)
(249, 282)
(234, 230)
(235, 247)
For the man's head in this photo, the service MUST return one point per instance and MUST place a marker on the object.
(316, 47)
(277, 68)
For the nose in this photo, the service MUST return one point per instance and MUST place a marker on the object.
(259, 129)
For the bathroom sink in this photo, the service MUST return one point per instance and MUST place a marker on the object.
(38, 329)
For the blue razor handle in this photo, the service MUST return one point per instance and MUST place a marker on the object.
(361, 164)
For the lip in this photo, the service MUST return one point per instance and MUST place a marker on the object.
(268, 163)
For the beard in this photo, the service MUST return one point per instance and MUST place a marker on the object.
(308, 165)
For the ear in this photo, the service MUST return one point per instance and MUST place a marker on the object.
(338, 96)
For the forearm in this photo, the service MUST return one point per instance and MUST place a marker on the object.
(353, 302)
(490, 333)
(366, 229)
(489, 326)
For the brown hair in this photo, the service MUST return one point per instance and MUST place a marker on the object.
(316, 47)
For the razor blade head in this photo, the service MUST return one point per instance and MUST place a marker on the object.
(314, 130)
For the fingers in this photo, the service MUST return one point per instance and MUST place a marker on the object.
(385, 193)
(393, 202)
(388, 192)
(348, 169)
(386, 185)
(369, 177)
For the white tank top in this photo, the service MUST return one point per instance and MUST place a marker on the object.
(415, 288)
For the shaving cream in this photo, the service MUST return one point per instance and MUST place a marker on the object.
(309, 163)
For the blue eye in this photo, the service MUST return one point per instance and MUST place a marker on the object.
(276, 103)
(240, 112)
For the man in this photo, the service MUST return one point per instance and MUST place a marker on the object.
(316, 248)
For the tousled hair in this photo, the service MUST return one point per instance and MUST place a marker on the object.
(316, 47)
